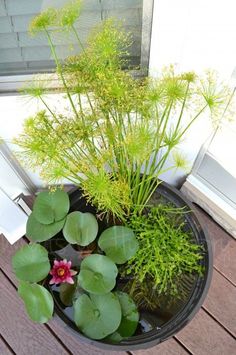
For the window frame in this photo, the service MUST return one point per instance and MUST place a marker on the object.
(204, 151)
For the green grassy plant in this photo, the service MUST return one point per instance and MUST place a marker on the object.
(118, 132)
(166, 251)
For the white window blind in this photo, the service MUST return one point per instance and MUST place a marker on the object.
(22, 54)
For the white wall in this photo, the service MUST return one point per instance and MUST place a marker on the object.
(194, 35)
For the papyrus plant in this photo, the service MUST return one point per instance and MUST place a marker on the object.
(117, 132)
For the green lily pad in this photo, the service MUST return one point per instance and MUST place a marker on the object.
(67, 292)
(97, 315)
(31, 263)
(80, 228)
(97, 274)
(50, 207)
(38, 301)
(39, 232)
(119, 243)
(129, 320)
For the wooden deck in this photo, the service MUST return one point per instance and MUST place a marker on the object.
(211, 332)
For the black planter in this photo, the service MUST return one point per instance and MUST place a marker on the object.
(156, 327)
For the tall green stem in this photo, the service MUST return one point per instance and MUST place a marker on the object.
(60, 72)
(193, 119)
(150, 169)
(182, 108)
(77, 37)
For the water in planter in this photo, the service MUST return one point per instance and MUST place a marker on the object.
(155, 311)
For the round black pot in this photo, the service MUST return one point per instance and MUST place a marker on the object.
(184, 310)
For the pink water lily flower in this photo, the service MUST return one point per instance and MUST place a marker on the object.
(61, 272)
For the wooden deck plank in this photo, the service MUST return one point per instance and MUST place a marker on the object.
(204, 336)
(58, 327)
(221, 302)
(6, 253)
(4, 350)
(223, 245)
(168, 347)
(23, 336)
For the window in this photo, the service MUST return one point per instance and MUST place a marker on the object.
(20, 54)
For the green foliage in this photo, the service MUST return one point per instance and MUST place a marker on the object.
(97, 274)
(37, 88)
(48, 216)
(38, 301)
(69, 13)
(31, 263)
(50, 207)
(119, 243)
(67, 292)
(90, 294)
(116, 132)
(98, 277)
(129, 321)
(92, 313)
(108, 42)
(166, 250)
(180, 160)
(80, 228)
(97, 315)
(135, 141)
(110, 196)
(113, 139)
(51, 17)
(39, 232)
(42, 21)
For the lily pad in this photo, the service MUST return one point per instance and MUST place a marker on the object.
(119, 243)
(97, 315)
(129, 320)
(31, 263)
(67, 292)
(80, 228)
(39, 232)
(38, 301)
(50, 207)
(97, 274)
